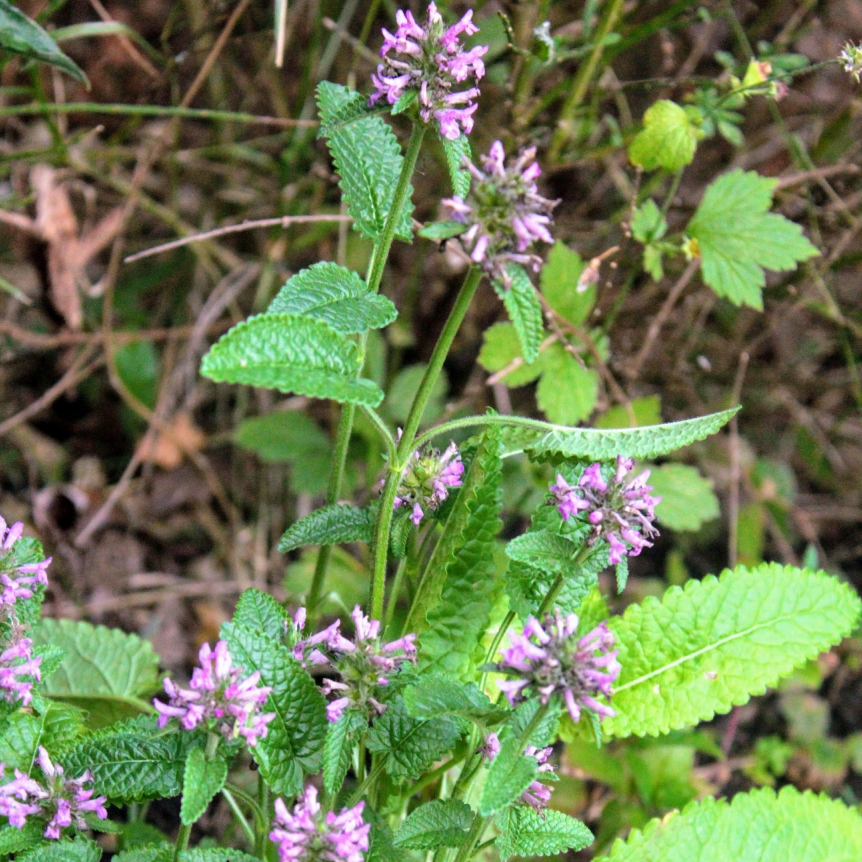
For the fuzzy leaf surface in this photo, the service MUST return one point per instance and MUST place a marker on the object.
(330, 525)
(524, 309)
(456, 151)
(368, 160)
(79, 849)
(215, 854)
(456, 622)
(438, 695)
(150, 853)
(509, 775)
(14, 839)
(542, 549)
(57, 727)
(259, 611)
(294, 742)
(202, 779)
(291, 353)
(411, 745)
(105, 671)
(341, 736)
(335, 295)
(441, 823)
(648, 442)
(737, 237)
(525, 832)
(759, 826)
(338, 106)
(714, 644)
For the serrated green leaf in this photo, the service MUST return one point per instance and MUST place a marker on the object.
(341, 736)
(567, 391)
(22, 35)
(758, 826)
(524, 309)
(104, 671)
(687, 498)
(294, 742)
(215, 854)
(509, 775)
(647, 411)
(559, 281)
(525, 832)
(405, 100)
(438, 695)
(411, 745)
(668, 139)
(500, 347)
(442, 230)
(79, 849)
(330, 525)
(542, 550)
(335, 295)
(642, 443)
(456, 151)
(134, 761)
(28, 611)
(441, 823)
(259, 611)
(737, 237)
(461, 586)
(380, 846)
(202, 779)
(368, 160)
(156, 853)
(338, 106)
(291, 353)
(15, 839)
(57, 727)
(545, 733)
(714, 644)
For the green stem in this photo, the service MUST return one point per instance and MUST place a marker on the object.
(374, 773)
(554, 590)
(384, 432)
(182, 840)
(472, 421)
(582, 79)
(263, 824)
(408, 435)
(240, 817)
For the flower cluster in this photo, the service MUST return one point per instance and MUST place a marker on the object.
(426, 481)
(851, 59)
(219, 697)
(430, 61)
(62, 800)
(362, 664)
(552, 660)
(19, 670)
(620, 509)
(537, 795)
(504, 211)
(306, 836)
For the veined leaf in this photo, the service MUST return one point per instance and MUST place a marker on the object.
(567, 391)
(14, 839)
(341, 736)
(330, 525)
(737, 237)
(459, 585)
(150, 853)
(79, 849)
(441, 823)
(202, 779)
(335, 295)
(105, 671)
(668, 139)
(524, 309)
(456, 151)
(758, 826)
(22, 35)
(649, 442)
(509, 775)
(559, 280)
(215, 854)
(338, 106)
(542, 549)
(411, 745)
(687, 498)
(56, 727)
(500, 347)
(294, 742)
(368, 160)
(259, 611)
(437, 695)
(712, 645)
(525, 832)
(291, 353)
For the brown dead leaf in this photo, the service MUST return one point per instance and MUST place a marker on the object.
(166, 449)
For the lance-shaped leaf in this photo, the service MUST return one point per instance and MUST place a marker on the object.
(368, 160)
(456, 151)
(335, 295)
(525, 310)
(259, 611)
(341, 736)
(525, 832)
(604, 445)
(295, 738)
(330, 525)
(203, 778)
(441, 823)
(712, 645)
(509, 775)
(291, 353)
(21, 35)
(759, 826)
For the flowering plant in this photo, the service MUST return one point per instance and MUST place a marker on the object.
(430, 725)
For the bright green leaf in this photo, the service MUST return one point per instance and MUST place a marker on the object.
(524, 309)
(668, 139)
(441, 823)
(567, 391)
(14, 839)
(259, 611)
(56, 727)
(500, 347)
(341, 736)
(543, 550)
(330, 525)
(687, 498)
(559, 280)
(525, 832)
(283, 435)
(79, 849)
(456, 151)
(646, 410)
(202, 779)
(648, 223)
(509, 775)
(215, 854)
(438, 695)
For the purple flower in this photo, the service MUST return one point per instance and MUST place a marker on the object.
(219, 697)
(363, 664)
(18, 671)
(306, 835)
(620, 509)
(505, 213)
(431, 61)
(427, 479)
(17, 581)
(552, 661)
(63, 801)
(537, 795)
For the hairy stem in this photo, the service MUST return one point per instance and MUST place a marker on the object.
(182, 840)
(240, 817)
